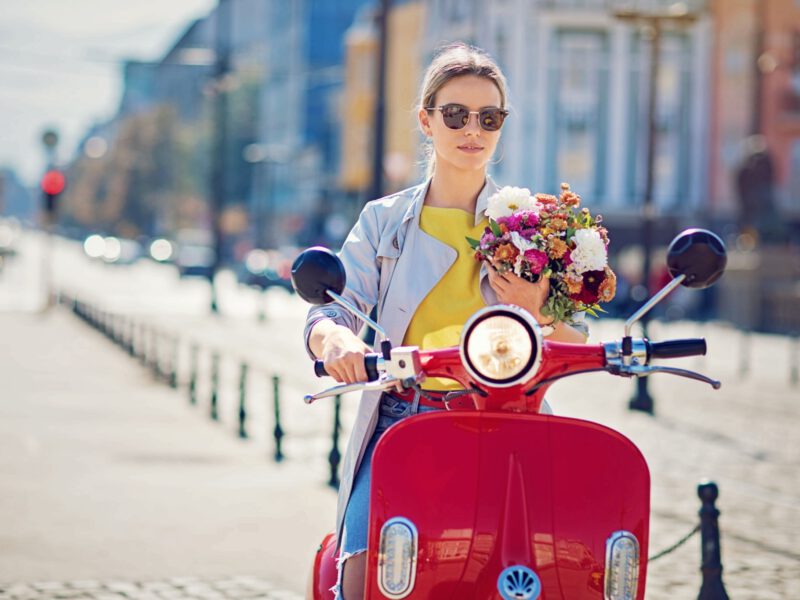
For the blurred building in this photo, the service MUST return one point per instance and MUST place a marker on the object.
(578, 81)
(15, 199)
(300, 121)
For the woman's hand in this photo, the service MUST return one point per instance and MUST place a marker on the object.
(511, 289)
(341, 350)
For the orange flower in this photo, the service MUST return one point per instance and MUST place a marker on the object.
(546, 199)
(506, 252)
(608, 289)
(558, 224)
(569, 197)
(557, 247)
(574, 283)
(503, 227)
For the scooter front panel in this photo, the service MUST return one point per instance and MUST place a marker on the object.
(487, 491)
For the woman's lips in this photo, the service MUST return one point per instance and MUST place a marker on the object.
(470, 149)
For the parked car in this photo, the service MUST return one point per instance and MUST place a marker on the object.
(194, 260)
(264, 269)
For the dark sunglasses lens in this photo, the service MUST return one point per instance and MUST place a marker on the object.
(492, 119)
(455, 116)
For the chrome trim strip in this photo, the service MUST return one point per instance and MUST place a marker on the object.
(613, 352)
(612, 541)
(382, 556)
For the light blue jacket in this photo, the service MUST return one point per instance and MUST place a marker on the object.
(392, 264)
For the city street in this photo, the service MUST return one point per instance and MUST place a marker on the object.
(115, 486)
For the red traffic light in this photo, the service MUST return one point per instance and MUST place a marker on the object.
(53, 182)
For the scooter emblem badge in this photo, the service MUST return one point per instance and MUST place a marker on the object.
(519, 583)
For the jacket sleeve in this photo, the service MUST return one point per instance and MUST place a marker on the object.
(359, 254)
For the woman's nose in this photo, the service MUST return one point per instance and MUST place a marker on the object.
(473, 126)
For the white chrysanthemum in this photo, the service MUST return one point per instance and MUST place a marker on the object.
(590, 251)
(509, 200)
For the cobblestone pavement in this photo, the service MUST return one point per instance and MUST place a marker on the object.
(743, 436)
(174, 588)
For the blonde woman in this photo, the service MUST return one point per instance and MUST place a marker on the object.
(407, 256)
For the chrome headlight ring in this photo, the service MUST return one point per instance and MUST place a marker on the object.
(501, 345)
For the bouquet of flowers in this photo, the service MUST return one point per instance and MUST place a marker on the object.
(541, 235)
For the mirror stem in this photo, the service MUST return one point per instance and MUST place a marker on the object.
(652, 302)
(339, 300)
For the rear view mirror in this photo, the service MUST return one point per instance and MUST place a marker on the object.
(317, 271)
(699, 255)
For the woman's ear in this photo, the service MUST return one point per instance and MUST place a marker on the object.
(423, 116)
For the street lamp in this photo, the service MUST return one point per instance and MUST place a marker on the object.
(51, 184)
(219, 147)
(652, 25)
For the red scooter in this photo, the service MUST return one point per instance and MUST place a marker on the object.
(503, 502)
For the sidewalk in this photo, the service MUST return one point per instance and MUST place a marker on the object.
(108, 476)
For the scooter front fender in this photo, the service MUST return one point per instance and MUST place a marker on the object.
(324, 574)
(488, 490)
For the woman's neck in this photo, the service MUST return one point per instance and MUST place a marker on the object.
(451, 189)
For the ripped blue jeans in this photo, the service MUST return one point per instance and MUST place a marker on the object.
(356, 516)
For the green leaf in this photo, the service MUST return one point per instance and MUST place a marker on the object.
(473, 243)
(589, 310)
(570, 232)
(495, 228)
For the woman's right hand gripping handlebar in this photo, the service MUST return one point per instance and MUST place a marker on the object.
(340, 349)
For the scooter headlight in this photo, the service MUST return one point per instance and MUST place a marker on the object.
(500, 345)
(622, 566)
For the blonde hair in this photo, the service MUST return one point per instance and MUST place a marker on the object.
(451, 61)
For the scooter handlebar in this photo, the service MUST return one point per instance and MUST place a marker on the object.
(370, 364)
(676, 348)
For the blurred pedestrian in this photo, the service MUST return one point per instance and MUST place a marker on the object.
(408, 255)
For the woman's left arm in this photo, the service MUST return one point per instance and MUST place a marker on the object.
(511, 289)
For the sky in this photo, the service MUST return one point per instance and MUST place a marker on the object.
(61, 66)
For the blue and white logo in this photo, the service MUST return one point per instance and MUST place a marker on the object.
(519, 583)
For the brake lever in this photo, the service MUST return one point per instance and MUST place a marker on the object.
(644, 370)
(380, 385)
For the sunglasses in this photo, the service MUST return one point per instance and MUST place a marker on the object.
(456, 116)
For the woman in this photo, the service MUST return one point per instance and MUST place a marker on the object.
(408, 255)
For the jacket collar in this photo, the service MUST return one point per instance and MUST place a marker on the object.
(418, 200)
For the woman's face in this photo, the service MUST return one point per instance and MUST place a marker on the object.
(468, 148)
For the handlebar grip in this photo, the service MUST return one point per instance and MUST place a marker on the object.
(677, 348)
(370, 363)
(319, 368)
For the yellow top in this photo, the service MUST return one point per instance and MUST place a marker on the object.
(439, 318)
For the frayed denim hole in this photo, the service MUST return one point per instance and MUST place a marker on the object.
(337, 589)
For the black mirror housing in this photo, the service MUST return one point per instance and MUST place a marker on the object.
(698, 254)
(314, 272)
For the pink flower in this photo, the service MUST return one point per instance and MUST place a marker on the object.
(537, 260)
(518, 221)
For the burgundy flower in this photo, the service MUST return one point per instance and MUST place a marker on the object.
(590, 293)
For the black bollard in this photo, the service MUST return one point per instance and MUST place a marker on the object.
(143, 344)
(277, 432)
(156, 358)
(130, 337)
(242, 401)
(193, 376)
(335, 457)
(214, 385)
(173, 364)
(712, 587)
